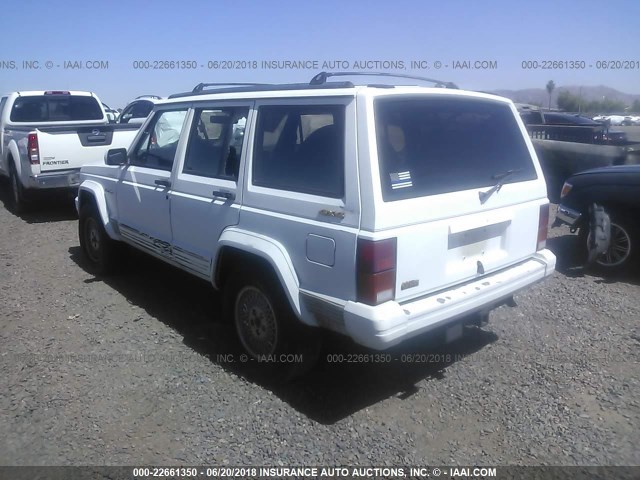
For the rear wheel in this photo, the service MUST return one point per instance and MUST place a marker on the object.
(256, 322)
(96, 245)
(17, 198)
(281, 346)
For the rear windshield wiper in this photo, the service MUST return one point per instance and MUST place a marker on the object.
(501, 177)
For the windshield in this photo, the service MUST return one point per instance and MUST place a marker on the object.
(428, 146)
(55, 108)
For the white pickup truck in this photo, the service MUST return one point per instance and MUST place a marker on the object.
(46, 136)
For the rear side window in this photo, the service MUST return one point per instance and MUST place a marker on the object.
(429, 146)
(300, 148)
(55, 108)
(531, 118)
(215, 144)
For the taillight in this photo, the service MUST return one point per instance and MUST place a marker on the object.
(57, 92)
(543, 226)
(376, 270)
(566, 188)
(32, 149)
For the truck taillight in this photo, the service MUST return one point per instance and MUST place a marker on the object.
(543, 226)
(376, 270)
(32, 149)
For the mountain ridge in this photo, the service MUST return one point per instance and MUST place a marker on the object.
(539, 96)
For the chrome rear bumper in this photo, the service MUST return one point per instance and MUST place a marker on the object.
(59, 179)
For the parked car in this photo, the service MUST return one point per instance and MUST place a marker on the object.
(568, 143)
(615, 119)
(626, 120)
(112, 114)
(631, 120)
(378, 213)
(46, 136)
(591, 133)
(139, 109)
(616, 189)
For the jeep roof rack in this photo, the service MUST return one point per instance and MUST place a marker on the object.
(319, 81)
(266, 88)
(155, 97)
(201, 86)
(321, 78)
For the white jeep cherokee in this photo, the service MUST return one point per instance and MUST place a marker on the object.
(379, 211)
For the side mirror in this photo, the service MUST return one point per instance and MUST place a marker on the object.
(116, 156)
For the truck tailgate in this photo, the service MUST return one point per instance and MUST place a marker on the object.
(65, 147)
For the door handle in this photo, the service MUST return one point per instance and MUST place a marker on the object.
(331, 213)
(223, 194)
(163, 183)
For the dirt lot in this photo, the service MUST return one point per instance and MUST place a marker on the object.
(130, 370)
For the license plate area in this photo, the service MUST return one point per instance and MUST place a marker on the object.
(74, 179)
(477, 236)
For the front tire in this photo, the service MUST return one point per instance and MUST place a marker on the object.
(97, 247)
(623, 248)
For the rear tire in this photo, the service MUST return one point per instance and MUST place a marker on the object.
(268, 330)
(97, 247)
(17, 196)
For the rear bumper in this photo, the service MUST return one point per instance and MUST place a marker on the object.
(568, 215)
(385, 325)
(58, 179)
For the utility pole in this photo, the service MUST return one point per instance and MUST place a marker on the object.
(580, 100)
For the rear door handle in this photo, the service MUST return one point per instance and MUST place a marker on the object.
(163, 183)
(227, 195)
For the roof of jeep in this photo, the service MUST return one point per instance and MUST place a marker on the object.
(330, 89)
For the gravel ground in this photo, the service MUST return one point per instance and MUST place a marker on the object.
(129, 370)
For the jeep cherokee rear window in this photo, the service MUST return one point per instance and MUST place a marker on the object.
(429, 146)
(300, 148)
(55, 108)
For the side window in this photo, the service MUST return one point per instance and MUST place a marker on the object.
(157, 147)
(136, 110)
(126, 114)
(215, 143)
(531, 118)
(300, 148)
(141, 109)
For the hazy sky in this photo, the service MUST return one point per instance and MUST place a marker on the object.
(401, 31)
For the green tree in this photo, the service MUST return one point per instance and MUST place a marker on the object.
(551, 85)
(635, 106)
(567, 101)
(612, 106)
(605, 105)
